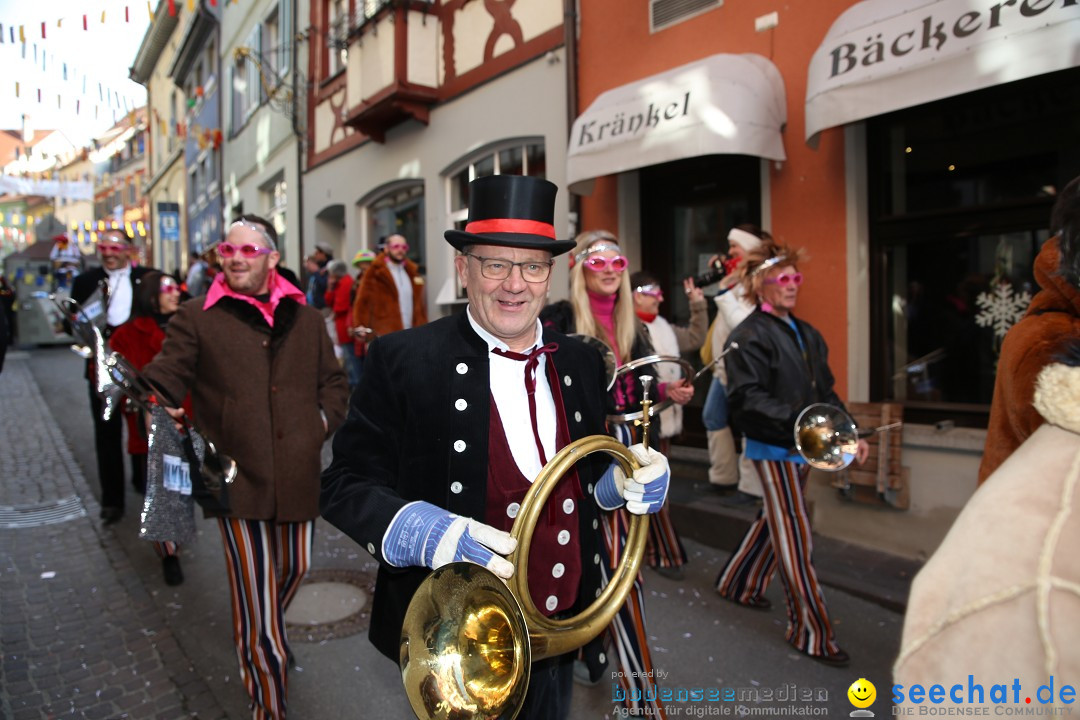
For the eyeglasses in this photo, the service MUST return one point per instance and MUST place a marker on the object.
(602, 264)
(785, 279)
(533, 271)
(112, 247)
(650, 290)
(398, 246)
(227, 250)
(169, 286)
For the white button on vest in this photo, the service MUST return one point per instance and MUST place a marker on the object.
(459, 445)
(596, 559)
(460, 404)
(512, 510)
(590, 488)
(568, 506)
(462, 368)
(371, 548)
(455, 487)
(557, 570)
(566, 380)
(602, 658)
(597, 592)
(551, 603)
(595, 524)
(577, 415)
(564, 537)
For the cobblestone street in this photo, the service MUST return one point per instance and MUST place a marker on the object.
(79, 633)
(89, 630)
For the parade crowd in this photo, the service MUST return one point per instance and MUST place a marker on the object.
(439, 429)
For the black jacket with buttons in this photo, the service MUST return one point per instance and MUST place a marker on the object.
(771, 380)
(405, 439)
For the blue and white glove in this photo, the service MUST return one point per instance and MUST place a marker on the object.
(423, 534)
(645, 492)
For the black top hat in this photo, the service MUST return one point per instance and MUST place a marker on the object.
(511, 211)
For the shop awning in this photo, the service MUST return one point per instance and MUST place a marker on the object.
(723, 104)
(885, 55)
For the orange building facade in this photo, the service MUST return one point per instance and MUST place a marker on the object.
(913, 149)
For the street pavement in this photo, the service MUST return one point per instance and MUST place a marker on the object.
(88, 627)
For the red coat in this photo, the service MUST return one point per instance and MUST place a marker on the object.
(339, 300)
(139, 340)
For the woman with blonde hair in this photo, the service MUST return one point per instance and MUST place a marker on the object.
(601, 306)
(781, 367)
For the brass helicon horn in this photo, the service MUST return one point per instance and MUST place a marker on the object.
(468, 640)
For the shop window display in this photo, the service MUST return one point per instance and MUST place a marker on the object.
(960, 196)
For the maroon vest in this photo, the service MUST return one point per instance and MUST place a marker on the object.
(555, 554)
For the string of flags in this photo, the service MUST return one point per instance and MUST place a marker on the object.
(27, 36)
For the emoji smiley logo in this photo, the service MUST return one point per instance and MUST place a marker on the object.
(862, 693)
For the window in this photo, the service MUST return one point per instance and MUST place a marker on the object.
(173, 115)
(277, 40)
(246, 83)
(960, 194)
(400, 211)
(337, 37)
(520, 157)
(277, 202)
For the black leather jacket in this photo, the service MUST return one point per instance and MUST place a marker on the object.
(771, 379)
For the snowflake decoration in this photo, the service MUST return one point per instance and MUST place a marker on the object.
(1001, 308)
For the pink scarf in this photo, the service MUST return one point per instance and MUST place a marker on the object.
(279, 288)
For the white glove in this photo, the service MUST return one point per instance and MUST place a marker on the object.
(424, 534)
(645, 492)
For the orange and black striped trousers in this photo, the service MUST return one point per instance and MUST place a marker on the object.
(780, 538)
(266, 562)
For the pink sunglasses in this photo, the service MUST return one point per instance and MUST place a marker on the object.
(169, 286)
(785, 279)
(227, 250)
(602, 264)
(650, 290)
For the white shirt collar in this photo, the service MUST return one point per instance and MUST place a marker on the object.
(494, 342)
(120, 272)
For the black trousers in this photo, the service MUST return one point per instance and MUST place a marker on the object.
(550, 687)
(108, 441)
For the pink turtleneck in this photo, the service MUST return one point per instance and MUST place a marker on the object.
(603, 309)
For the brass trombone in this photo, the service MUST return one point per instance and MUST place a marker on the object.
(468, 640)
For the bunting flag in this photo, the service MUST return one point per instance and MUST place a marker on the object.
(149, 11)
(1, 33)
(172, 8)
(84, 24)
(42, 31)
(127, 17)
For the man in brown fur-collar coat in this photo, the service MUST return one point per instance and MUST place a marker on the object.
(267, 390)
(391, 293)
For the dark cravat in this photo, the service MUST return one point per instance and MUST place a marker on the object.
(532, 361)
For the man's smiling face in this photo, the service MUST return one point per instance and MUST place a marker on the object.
(505, 308)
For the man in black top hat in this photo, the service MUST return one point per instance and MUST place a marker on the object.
(452, 421)
(109, 290)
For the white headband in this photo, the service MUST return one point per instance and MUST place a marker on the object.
(746, 240)
(595, 248)
(767, 264)
(257, 228)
